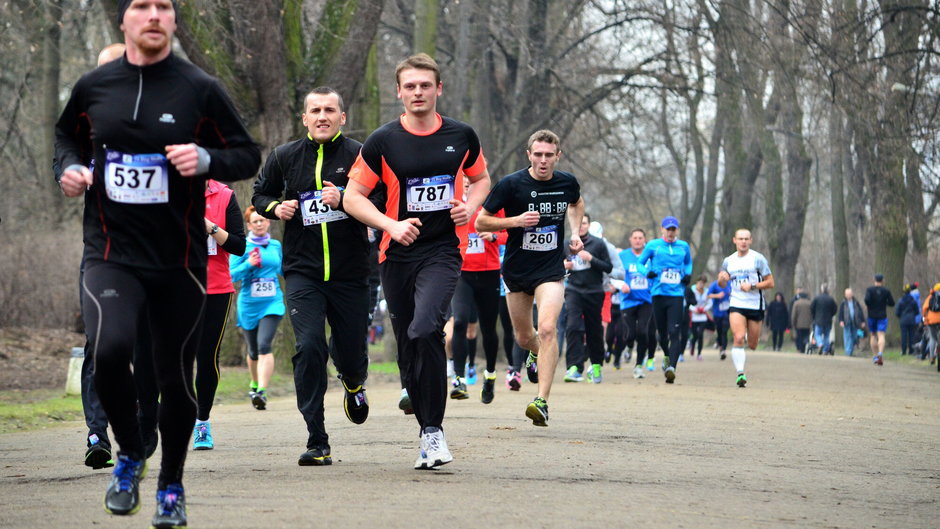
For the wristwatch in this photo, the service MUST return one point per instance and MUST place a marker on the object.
(214, 229)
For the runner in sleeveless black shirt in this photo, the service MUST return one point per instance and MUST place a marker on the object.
(536, 202)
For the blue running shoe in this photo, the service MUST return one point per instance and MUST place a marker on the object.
(171, 508)
(123, 494)
(202, 437)
(471, 375)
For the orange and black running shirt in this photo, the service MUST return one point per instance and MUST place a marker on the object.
(421, 172)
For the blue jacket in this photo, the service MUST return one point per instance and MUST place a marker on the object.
(670, 262)
(635, 277)
(720, 306)
(263, 282)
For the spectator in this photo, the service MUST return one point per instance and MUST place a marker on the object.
(778, 320)
(931, 313)
(801, 320)
(823, 308)
(852, 321)
(907, 311)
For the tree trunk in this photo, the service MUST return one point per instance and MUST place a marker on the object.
(425, 35)
(840, 235)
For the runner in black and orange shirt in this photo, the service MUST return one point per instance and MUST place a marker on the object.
(422, 158)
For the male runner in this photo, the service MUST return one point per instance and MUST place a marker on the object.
(584, 299)
(669, 263)
(877, 300)
(636, 304)
(325, 264)
(156, 127)
(536, 202)
(748, 273)
(422, 158)
(721, 302)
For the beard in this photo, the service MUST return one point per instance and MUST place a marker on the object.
(150, 46)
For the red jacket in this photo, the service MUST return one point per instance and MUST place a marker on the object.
(482, 254)
(218, 277)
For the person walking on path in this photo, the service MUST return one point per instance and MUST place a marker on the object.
(778, 320)
(823, 308)
(907, 311)
(852, 321)
(801, 319)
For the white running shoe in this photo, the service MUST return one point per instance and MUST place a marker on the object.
(638, 372)
(434, 452)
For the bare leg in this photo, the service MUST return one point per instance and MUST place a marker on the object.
(549, 297)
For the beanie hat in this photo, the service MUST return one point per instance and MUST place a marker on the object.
(124, 4)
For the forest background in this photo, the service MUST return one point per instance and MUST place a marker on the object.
(814, 122)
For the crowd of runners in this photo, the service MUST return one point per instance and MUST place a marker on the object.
(147, 139)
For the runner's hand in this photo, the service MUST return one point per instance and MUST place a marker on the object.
(184, 157)
(74, 183)
(575, 245)
(331, 195)
(458, 212)
(285, 210)
(651, 275)
(527, 219)
(625, 288)
(585, 256)
(405, 232)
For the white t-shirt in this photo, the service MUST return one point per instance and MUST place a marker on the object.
(750, 268)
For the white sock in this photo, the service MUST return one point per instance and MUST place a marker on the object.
(738, 356)
(450, 368)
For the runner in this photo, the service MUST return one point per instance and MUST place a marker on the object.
(699, 315)
(260, 302)
(584, 298)
(536, 201)
(669, 264)
(721, 302)
(748, 273)
(478, 293)
(877, 300)
(326, 266)
(422, 158)
(156, 127)
(636, 304)
(225, 231)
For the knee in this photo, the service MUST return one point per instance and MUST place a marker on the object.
(524, 336)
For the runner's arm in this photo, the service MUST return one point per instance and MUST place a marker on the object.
(268, 187)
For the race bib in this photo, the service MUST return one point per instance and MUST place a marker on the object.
(542, 239)
(136, 178)
(314, 211)
(474, 244)
(638, 282)
(263, 287)
(738, 279)
(578, 264)
(670, 276)
(213, 246)
(429, 194)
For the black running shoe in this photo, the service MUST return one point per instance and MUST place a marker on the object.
(356, 404)
(98, 454)
(315, 457)
(171, 508)
(123, 494)
(259, 400)
(532, 367)
(537, 410)
(489, 384)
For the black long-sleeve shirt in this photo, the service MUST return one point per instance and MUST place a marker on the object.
(123, 116)
(877, 301)
(591, 278)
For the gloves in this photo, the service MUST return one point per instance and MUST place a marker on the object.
(651, 274)
(686, 279)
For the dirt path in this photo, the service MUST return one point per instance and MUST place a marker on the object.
(812, 442)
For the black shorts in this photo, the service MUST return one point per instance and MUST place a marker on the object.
(528, 286)
(750, 314)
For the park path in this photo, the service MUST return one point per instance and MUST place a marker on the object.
(827, 442)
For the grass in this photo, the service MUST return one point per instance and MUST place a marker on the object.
(28, 410)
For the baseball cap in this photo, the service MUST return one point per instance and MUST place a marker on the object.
(879, 277)
(596, 229)
(670, 222)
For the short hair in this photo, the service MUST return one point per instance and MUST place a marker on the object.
(323, 91)
(111, 52)
(419, 61)
(587, 216)
(703, 278)
(544, 136)
(824, 288)
(248, 211)
(641, 230)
